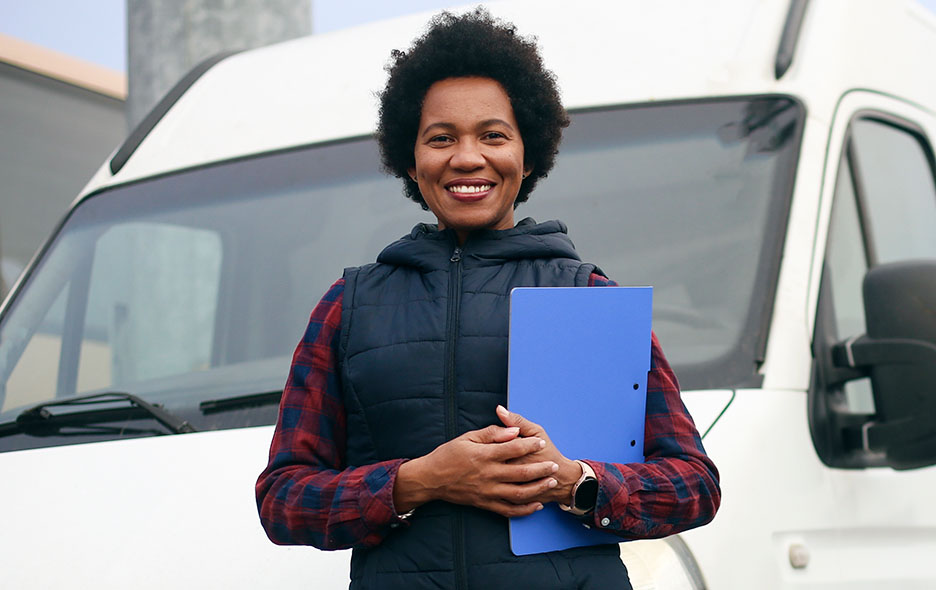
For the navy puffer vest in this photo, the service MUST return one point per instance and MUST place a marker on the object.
(423, 360)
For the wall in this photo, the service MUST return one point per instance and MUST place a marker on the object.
(60, 119)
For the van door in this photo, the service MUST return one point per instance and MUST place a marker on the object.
(883, 209)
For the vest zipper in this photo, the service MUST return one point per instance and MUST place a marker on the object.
(451, 405)
(454, 302)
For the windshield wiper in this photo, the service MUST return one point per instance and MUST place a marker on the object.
(269, 398)
(39, 420)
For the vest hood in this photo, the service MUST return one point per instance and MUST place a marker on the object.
(428, 248)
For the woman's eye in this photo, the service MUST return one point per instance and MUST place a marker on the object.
(440, 139)
(494, 135)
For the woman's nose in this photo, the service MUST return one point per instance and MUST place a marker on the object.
(467, 156)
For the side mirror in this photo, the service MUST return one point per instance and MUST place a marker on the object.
(899, 354)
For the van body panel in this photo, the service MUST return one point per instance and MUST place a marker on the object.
(788, 343)
(706, 406)
(761, 442)
(867, 528)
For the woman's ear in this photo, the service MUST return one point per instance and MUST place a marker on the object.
(412, 174)
(527, 171)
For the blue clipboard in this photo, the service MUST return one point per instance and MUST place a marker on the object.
(578, 365)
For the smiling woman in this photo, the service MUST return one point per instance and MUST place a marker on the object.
(393, 437)
(471, 47)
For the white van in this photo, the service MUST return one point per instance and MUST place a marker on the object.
(753, 160)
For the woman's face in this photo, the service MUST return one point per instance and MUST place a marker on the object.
(469, 155)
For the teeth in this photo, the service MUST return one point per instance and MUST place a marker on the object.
(470, 189)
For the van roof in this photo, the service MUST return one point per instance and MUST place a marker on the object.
(323, 87)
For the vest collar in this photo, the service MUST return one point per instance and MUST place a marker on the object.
(427, 248)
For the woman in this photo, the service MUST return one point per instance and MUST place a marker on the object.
(392, 436)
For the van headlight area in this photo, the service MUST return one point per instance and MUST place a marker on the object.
(661, 564)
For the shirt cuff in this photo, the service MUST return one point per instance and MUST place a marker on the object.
(376, 499)
(613, 496)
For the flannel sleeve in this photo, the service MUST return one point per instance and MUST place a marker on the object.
(307, 495)
(677, 488)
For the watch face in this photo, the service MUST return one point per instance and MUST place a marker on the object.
(586, 496)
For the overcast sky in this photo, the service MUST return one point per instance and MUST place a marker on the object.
(94, 30)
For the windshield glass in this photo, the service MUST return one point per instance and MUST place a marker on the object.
(197, 286)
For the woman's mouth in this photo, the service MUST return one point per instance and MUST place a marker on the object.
(469, 190)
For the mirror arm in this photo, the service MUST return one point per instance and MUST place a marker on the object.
(863, 351)
(876, 436)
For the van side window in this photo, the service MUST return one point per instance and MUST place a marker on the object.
(846, 265)
(884, 210)
(898, 190)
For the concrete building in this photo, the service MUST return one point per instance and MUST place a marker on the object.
(59, 119)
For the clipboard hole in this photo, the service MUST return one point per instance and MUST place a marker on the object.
(633, 443)
(636, 386)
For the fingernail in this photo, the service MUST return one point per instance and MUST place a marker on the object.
(555, 467)
(502, 408)
(542, 443)
(539, 507)
(552, 483)
(514, 430)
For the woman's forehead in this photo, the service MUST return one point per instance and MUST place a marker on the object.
(468, 100)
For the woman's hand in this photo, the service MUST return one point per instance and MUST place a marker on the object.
(494, 468)
(569, 471)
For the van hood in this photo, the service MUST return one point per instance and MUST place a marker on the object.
(108, 509)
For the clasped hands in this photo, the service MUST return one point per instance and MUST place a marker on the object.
(512, 470)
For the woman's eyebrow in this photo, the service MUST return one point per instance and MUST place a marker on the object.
(489, 122)
(441, 126)
(451, 126)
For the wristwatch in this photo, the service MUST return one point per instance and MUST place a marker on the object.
(584, 492)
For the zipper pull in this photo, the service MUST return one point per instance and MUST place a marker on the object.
(456, 255)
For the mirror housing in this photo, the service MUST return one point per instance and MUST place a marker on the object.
(899, 354)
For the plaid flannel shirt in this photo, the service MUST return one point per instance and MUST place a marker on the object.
(307, 495)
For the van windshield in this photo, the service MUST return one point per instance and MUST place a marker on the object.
(196, 286)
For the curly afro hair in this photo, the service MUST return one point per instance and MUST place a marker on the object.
(472, 44)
